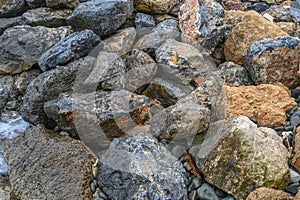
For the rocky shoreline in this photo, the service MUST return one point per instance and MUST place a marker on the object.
(131, 99)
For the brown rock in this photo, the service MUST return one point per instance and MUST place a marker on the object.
(253, 27)
(5, 189)
(288, 27)
(267, 103)
(264, 193)
(296, 158)
(155, 6)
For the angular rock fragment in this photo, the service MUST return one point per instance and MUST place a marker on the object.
(155, 6)
(12, 8)
(144, 20)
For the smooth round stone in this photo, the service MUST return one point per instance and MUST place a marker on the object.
(102, 195)
(207, 192)
(293, 188)
(64, 133)
(93, 187)
(295, 176)
(196, 182)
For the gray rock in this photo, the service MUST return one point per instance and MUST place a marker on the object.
(23, 79)
(144, 20)
(233, 158)
(272, 60)
(36, 3)
(21, 46)
(58, 4)
(293, 188)
(46, 17)
(182, 60)
(7, 90)
(12, 8)
(6, 23)
(102, 16)
(295, 10)
(47, 86)
(74, 46)
(133, 168)
(279, 13)
(295, 176)
(45, 165)
(206, 192)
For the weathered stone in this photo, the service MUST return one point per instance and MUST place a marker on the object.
(6, 23)
(267, 103)
(46, 17)
(200, 22)
(259, 7)
(47, 86)
(179, 121)
(7, 90)
(295, 10)
(232, 17)
(155, 6)
(21, 46)
(5, 189)
(296, 158)
(183, 60)
(36, 3)
(206, 192)
(253, 27)
(234, 157)
(23, 80)
(139, 167)
(116, 112)
(289, 27)
(58, 4)
(74, 46)
(119, 43)
(12, 8)
(102, 16)
(50, 166)
(274, 60)
(264, 193)
(144, 20)
(279, 13)
(165, 30)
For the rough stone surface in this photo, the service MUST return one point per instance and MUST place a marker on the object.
(21, 46)
(23, 80)
(139, 167)
(36, 3)
(12, 8)
(264, 193)
(267, 103)
(6, 23)
(46, 17)
(279, 13)
(7, 90)
(74, 46)
(295, 10)
(155, 6)
(144, 20)
(183, 60)
(296, 158)
(5, 189)
(289, 27)
(274, 60)
(200, 22)
(58, 4)
(253, 27)
(234, 150)
(102, 16)
(47, 86)
(46, 166)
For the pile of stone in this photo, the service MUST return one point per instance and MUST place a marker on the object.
(137, 99)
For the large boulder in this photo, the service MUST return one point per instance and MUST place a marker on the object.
(155, 6)
(45, 165)
(21, 46)
(253, 27)
(237, 157)
(12, 8)
(74, 46)
(133, 168)
(102, 16)
(272, 60)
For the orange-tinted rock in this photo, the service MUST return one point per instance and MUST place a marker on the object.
(296, 158)
(155, 6)
(267, 103)
(253, 27)
(264, 193)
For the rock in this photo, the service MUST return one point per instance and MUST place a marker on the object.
(288, 27)
(296, 159)
(21, 46)
(251, 101)
(295, 10)
(155, 6)
(180, 121)
(7, 90)
(259, 7)
(182, 60)
(46, 17)
(201, 23)
(279, 13)
(234, 150)
(58, 4)
(167, 29)
(12, 8)
(51, 166)
(47, 86)
(274, 60)
(5, 189)
(36, 3)
(253, 27)
(23, 80)
(144, 20)
(120, 43)
(6, 23)
(264, 193)
(132, 168)
(293, 188)
(74, 46)
(295, 176)
(101, 16)
(206, 192)
(141, 70)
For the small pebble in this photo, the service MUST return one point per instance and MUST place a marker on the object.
(63, 133)
(295, 121)
(293, 188)
(295, 176)
(102, 195)
(207, 192)
(196, 182)
(220, 193)
(254, 120)
(228, 198)
(187, 166)
(93, 187)
(177, 151)
(279, 128)
(294, 109)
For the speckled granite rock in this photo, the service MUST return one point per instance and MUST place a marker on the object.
(274, 60)
(155, 6)
(264, 193)
(252, 28)
(46, 166)
(234, 157)
(21, 46)
(267, 103)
